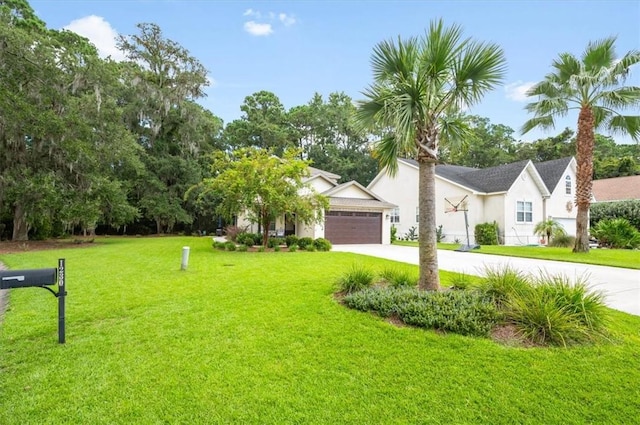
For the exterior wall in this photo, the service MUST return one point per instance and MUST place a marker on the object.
(352, 192)
(496, 210)
(401, 190)
(320, 184)
(523, 189)
(560, 206)
(312, 231)
(243, 222)
(453, 223)
(386, 227)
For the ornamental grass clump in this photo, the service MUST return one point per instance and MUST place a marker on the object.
(500, 283)
(577, 297)
(399, 277)
(460, 281)
(358, 277)
(555, 311)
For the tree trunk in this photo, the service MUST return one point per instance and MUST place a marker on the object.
(429, 276)
(20, 225)
(158, 226)
(584, 176)
(265, 233)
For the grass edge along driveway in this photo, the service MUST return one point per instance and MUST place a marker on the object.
(259, 338)
(624, 258)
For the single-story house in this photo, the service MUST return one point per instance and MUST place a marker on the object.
(616, 189)
(356, 215)
(517, 196)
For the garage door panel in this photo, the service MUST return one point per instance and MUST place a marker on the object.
(346, 227)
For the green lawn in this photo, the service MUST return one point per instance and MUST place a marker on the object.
(259, 338)
(604, 257)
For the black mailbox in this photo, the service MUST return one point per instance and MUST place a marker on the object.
(25, 278)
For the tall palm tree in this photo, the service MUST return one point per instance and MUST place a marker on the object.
(593, 85)
(420, 85)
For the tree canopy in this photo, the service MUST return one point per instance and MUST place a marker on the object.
(90, 144)
(262, 186)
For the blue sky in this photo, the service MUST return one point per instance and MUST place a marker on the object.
(296, 48)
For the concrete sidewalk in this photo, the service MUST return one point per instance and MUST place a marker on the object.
(620, 286)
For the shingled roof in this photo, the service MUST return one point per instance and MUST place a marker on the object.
(617, 189)
(489, 180)
(552, 171)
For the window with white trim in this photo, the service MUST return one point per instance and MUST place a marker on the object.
(567, 185)
(395, 215)
(524, 212)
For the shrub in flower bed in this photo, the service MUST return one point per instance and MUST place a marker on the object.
(463, 312)
(544, 309)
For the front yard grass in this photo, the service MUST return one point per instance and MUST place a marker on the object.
(626, 258)
(259, 338)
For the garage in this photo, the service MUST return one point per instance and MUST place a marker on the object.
(353, 227)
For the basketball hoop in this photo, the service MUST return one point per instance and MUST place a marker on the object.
(455, 204)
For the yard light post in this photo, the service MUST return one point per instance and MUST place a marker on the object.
(185, 258)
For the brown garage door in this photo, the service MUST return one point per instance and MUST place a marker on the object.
(343, 227)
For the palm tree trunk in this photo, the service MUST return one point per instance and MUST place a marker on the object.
(584, 175)
(429, 277)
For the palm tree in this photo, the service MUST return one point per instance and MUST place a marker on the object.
(419, 88)
(547, 228)
(593, 85)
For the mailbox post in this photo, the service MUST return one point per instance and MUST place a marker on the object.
(62, 292)
(40, 278)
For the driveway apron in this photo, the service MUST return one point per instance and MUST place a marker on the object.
(620, 286)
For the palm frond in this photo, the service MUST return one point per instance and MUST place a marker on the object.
(620, 98)
(599, 54)
(394, 61)
(601, 117)
(544, 122)
(480, 69)
(625, 124)
(549, 106)
(620, 69)
(387, 151)
(566, 67)
(455, 131)
(545, 88)
(440, 46)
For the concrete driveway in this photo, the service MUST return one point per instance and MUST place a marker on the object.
(620, 286)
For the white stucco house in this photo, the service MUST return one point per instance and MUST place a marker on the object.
(517, 196)
(356, 215)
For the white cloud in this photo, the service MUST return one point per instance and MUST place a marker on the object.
(518, 91)
(287, 20)
(262, 24)
(100, 33)
(257, 29)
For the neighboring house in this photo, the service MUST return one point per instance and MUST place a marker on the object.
(516, 196)
(356, 215)
(616, 189)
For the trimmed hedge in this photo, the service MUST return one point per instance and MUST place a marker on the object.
(610, 210)
(486, 233)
